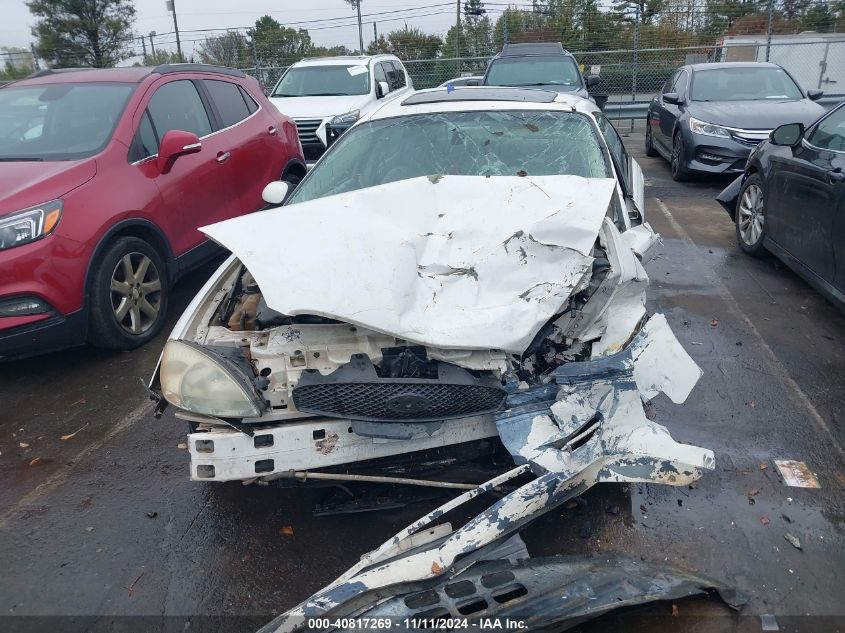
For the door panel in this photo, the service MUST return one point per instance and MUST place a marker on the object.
(806, 196)
(197, 190)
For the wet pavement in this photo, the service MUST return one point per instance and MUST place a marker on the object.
(105, 523)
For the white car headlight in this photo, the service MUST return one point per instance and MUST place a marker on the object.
(29, 225)
(708, 129)
(197, 380)
(346, 119)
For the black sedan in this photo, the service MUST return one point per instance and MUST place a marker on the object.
(709, 117)
(791, 201)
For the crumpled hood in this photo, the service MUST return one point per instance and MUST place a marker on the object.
(318, 107)
(463, 262)
(760, 114)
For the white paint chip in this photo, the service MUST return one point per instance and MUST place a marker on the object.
(796, 474)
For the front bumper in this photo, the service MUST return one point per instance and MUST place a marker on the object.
(311, 444)
(715, 155)
(48, 334)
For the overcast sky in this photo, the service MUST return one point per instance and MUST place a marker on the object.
(331, 21)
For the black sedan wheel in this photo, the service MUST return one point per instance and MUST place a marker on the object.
(677, 164)
(750, 216)
(649, 143)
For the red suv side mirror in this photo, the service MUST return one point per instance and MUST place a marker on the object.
(176, 143)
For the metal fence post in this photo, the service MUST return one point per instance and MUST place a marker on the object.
(769, 30)
(635, 60)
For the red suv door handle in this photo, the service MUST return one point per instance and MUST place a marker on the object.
(222, 157)
(271, 131)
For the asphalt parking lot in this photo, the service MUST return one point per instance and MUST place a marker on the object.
(105, 522)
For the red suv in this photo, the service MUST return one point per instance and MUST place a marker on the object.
(105, 176)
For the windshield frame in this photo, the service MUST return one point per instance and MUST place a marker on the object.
(695, 74)
(294, 67)
(520, 59)
(609, 165)
(70, 156)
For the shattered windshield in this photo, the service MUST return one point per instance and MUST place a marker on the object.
(483, 143)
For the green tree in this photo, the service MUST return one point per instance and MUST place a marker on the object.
(331, 51)
(161, 57)
(277, 45)
(95, 33)
(229, 49)
(408, 44)
(15, 63)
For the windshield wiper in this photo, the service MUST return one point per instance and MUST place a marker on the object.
(15, 159)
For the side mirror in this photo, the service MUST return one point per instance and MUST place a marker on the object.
(176, 143)
(274, 193)
(672, 97)
(788, 135)
(814, 95)
(382, 88)
(473, 82)
(593, 80)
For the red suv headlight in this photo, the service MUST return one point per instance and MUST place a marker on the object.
(30, 224)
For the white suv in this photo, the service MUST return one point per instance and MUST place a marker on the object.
(326, 95)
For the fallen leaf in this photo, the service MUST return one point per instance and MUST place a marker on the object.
(35, 461)
(522, 173)
(182, 445)
(714, 322)
(23, 445)
(763, 466)
(287, 530)
(64, 438)
(764, 520)
(793, 540)
(436, 568)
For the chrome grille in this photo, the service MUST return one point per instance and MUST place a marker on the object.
(307, 129)
(750, 137)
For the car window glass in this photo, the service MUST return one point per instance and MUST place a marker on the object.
(324, 81)
(379, 73)
(744, 83)
(479, 143)
(250, 102)
(680, 84)
(395, 75)
(228, 101)
(177, 106)
(614, 143)
(146, 142)
(534, 70)
(830, 133)
(667, 87)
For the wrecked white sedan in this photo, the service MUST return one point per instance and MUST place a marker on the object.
(463, 267)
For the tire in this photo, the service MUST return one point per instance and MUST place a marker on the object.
(649, 143)
(749, 218)
(676, 161)
(128, 295)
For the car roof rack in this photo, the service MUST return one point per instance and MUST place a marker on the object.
(542, 48)
(197, 68)
(481, 93)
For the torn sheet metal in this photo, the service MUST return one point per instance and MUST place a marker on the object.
(595, 412)
(555, 593)
(438, 261)
(644, 453)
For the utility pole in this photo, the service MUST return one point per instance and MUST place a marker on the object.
(35, 65)
(143, 45)
(152, 44)
(636, 56)
(360, 27)
(769, 30)
(375, 34)
(171, 6)
(458, 36)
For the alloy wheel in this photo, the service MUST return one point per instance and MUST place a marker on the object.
(136, 293)
(751, 218)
